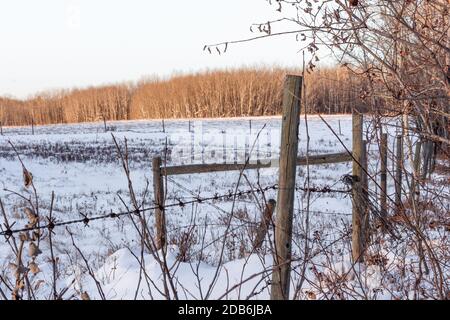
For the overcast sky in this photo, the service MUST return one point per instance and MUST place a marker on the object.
(47, 44)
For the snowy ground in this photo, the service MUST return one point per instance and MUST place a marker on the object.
(80, 164)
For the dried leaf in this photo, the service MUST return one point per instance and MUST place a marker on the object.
(85, 296)
(31, 215)
(33, 250)
(34, 268)
(27, 178)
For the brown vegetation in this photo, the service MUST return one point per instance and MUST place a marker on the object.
(231, 93)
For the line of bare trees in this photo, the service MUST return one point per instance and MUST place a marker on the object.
(231, 93)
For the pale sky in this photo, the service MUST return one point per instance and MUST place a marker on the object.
(48, 44)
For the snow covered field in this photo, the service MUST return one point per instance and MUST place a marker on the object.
(80, 164)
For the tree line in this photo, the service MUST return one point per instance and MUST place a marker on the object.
(227, 93)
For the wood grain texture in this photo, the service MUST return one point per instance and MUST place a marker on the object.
(286, 193)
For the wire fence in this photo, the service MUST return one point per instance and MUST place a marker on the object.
(52, 223)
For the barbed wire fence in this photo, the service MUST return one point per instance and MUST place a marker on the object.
(8, 230)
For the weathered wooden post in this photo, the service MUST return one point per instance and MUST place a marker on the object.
(163, 126)
(160, 215)
(383, 178)
(365, 195)
(398, 174)
(358, 203)
(1, 128)
(264, 225)
(32, 126)
(104, 124)
(340, 130)
(286, 182)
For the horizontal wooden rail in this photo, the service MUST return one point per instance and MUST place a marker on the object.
(270, 163)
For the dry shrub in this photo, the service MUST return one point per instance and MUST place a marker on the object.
(184, 240)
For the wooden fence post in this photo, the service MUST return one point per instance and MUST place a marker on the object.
(365, 195)
(160, 215)
(286, 182)
(398, 174)
(32, 126)
(383, 178)
(1, 128)
(264, 225)
(358, 203)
